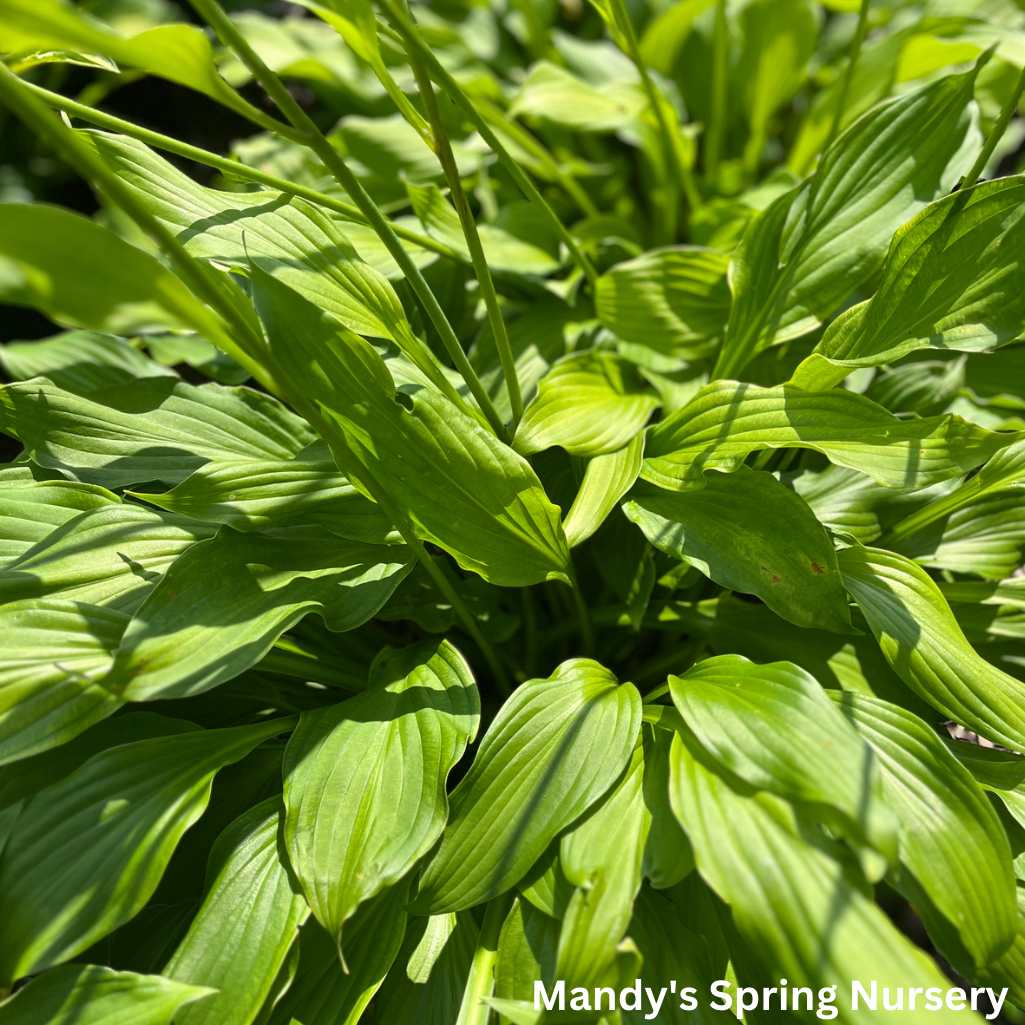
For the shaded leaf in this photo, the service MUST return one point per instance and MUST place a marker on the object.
(87, 852)
(220, 609)
(91, 995)
(747, 532)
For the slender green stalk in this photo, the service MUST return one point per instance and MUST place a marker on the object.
(584, 615)
(717, 113)
(480, 263)
(481, 982)
(417, 47)
(999, 127)
(676, 170)
(229, 167)
(848, 75)
(310, 135)
(236, 334)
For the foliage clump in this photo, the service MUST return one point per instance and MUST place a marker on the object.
(539, 507)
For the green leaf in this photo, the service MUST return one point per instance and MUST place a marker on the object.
(91, 995)
(365, 779)
(250, 588)
(54, 658)
(180, 53)
(537, 769)
(30, 775)
(557, 95)
(109, 556)
(774, 727)
(157, 428)
(948, 282)
(502, 250)
(247, 924)
(779, 38)
(667, 854)
(726, 421)
(458, 484)
(747, 532)
(1006, 467)
(86, 853)
(591, 403)
(252, 495)
(1000, 772)
(324, 994)
(815, 245)
(79, 361)
(300, 244)
(984, 538)
(951, 841)
(426, 986)
(81, 274)
(791, 901)
(611, 840)
(606, 479)
(527, 948)
(34, 510)
(674, 300)
(922, 641)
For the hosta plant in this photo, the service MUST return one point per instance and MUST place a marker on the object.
(543, 506)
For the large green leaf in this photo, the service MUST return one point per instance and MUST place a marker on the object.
(747, 532)
(28, 776)
(815, 245)
(178, 52)
(109, 556)
(555, 748)
(249, 495)
(221, 608)
(951, 841)
(34, 510)
(791, 901)
(365, 779)
(921, 639)
(674, 300)
(91, 995)
(322, 992)
(247, 923)
(726, 421)
(774, 727)
(81, 361)
(81, 274)
(949, 282)
(591, 403)
(458, 484)
(54, 659)
(86, 853)
(288, 237)
(158, 428)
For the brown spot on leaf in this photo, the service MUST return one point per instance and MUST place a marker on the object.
(817, 569)
(775, 579)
